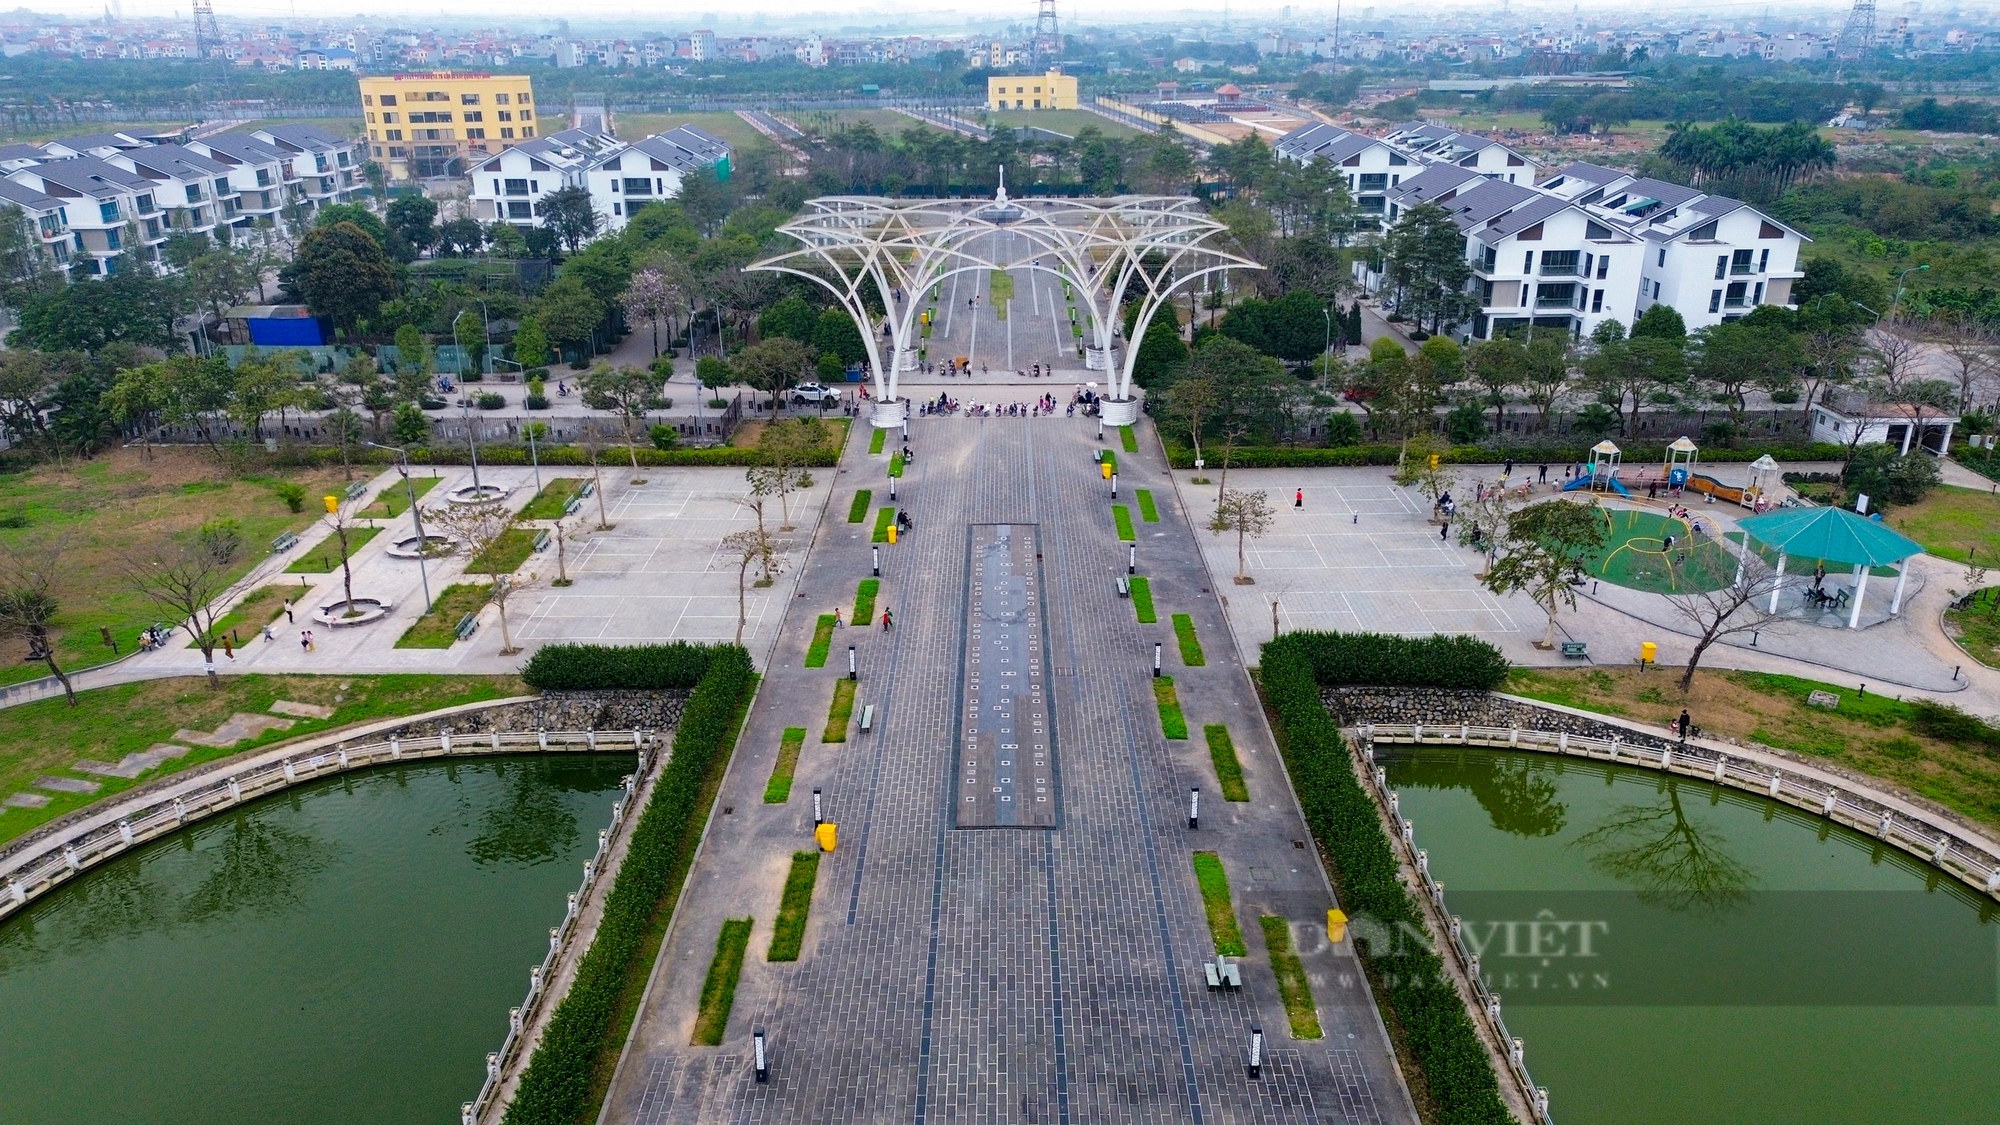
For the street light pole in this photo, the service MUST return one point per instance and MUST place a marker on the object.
(1326, 366)
(416, 518)
(1898, 298)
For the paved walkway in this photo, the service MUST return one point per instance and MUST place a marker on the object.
(1019, 974)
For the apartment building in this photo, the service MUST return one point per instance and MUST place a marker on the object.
(46, 220)
(441, 122)
(620, 177)
(1052, 90)
(111, 211)
(1371, 167)
(257, 175)
(324, 168)
(1488, 157)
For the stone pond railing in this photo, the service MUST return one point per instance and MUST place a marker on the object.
(61, 858)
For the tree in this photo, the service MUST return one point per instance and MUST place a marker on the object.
(187, 578)
(1967, 344)
(1631, 370)
(775, 366)
(131, 305)
(1660, 322)
(647, 299)
(1249, 515)
(1545, 373)
(1425, 255)
(571, 216)
(413, 363)
(1161, 352)
(414, 218)
(531, 346)
(479, 527)
(1726, 611)
(1422, 466)
(1494, 365)
(752, 545)
(469, 333)
(1735, 356)
(569, 314)
(263, 384)
(835, 332)
(339, 517)
(627, 391)
(1189, 402)
(181, 391)
(412, 426)
(31, 578)
(342, 273)
(1544, 545)
(790, 317)
(786, 447)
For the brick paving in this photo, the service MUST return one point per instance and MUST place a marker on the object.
(953, 974)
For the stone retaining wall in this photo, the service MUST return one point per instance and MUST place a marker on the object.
(556, 710)
(1353, 705)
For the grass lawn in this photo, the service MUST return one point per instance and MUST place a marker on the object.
(727, 126)
(1148, 511)
(839, 711)
(1976, 628)
(48, 737)
(896, 464)
(1872, 734)
(1952, 523)
(876, 439)
(779, 789)
(506, 554)
(1173, 723)
(864, 601)
(1214, 882)
(1107, 457)
(1122, 516)
(1142, 599)
(325, 558)
(1068, 122)
(1292, 982)
(549, 502)
(788, 933)
(718, 990)
(1000, 285)
(439, 627)
(883, 518)
(821, 642)
(395, 499)
(857, 512)
(1191, 654)
(1127, 440)
(252, 613)
(107, 510)
(1228, 771)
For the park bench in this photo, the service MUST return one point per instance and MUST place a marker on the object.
(1124, 588)
(868, 718)
(1222, 973)
(542, 539)
(467, 625)
(589, 489)
(575, 502)
(1575, 650)
(284, 542)
(355, 490)
(1825, 699)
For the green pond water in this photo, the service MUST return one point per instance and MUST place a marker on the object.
(1672, 952)
(345, 952)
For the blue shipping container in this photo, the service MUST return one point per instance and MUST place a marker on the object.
(285, 332)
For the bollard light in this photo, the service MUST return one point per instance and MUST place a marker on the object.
(818, 819)
(878, 560)
(1194, 808)
(1132, 559)
(761, 1062)
(1256, 1052)
(1156, 660)
(852, 673)
(892, 488)
(1114, 485)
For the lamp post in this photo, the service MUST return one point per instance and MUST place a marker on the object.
(1326, 365)
(416, 517)
(1897, 299)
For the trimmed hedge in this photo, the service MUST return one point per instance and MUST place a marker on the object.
(1437, 661)
(579, 667)
(608, 455)
(1300, 457)
(1410, 983)
(556, 1088)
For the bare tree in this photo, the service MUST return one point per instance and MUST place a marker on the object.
(1898, 360)
(1967, 344)
(188, 578)
(340, 517)
(597, 485)
(1738, 607)
(1249, 515)
(480, 527)
(748, 546)
(786, 447)
(30, 597)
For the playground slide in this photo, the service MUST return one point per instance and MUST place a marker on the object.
(1585, 482)
(1707, 484)
(1580, 482)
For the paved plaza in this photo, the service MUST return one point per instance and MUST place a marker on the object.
(1049, 972)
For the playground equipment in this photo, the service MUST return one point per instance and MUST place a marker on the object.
(1601, 473)
(1683, 459)
(1682, 456)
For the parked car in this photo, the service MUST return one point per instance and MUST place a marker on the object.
(814, 394)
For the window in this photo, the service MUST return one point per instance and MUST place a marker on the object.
(1528, 262)
(394, 134)
(1714, 300)
(1764, 262)
(528, 131)
(1488, 262)
(436, 96)
(146, 203)
(1597, 301)
(640, 186)
(1703, 233)
(1588, 263)
(1369, 204)
(263, 177)
(108, 212)
(389, 119)
(433, 118)
(1737, 291)
(1757, 298)
(1740, 262)
(517, 187)
(468, 99)
(194, 193)
(111, 238)
(475, 134)
(378, 148)
(1663, 255)
(506, 134)
(388, 99)
(1374, 181)
(1593, 230)
(1038, 103)
(1555, 295)
(475, 115)
(506, 115)
(1603, 265)
(519, 209)
(1656, 291)
(371, 119)
(521, 98)
(368, 99)
(398, 153)
(1721, 265)
(499, 99)
(1559, 263)
(616, 208)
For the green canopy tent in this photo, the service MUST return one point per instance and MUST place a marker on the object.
(1833, 535)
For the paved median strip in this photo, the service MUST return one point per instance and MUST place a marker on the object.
(1214, 882)
(788, 933)
(718, 991)
(839, 712)
(1191, 654)
(1228, 771)
(1293, 984)
(779, 789)
(1172, 722)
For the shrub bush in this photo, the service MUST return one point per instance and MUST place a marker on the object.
(1451, 1062)
(536, 401)
(1350, 456)
(1378, 658)
(556, 1087)
(492, 400)
(578, 667)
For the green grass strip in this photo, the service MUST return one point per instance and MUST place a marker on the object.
(506, 553)
(779, 789)
(896, 464)
(1191, 654)
(1128, 439)
(883, 519)
(1122, 516)
(1228, 771)
(839, 712)
(864, 602)
(789, 933)
(548, 504)
(857, 512)
(1292, 982)
(822, 642)
(875, 440)
(718, 992)
(1214, 883)
(1148, 511)
(1172, 722)
(1108, 457)
(439, 627)
(325, 558)
(1142, 599)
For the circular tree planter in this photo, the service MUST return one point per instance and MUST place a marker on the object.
(434, 546)
(480, 494)
(361, 611)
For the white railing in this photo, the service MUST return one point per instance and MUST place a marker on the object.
(1487, 1001)
(63, 857)
(1932, 840)
(541, 976)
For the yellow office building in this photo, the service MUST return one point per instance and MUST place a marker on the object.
(1054, 90)
(437, 124)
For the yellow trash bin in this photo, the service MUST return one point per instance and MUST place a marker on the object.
(892, 534)
(1336, 926)
(1648, 652)
(1106, 467)
(825, 836)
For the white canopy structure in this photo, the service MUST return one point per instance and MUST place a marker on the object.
(873, 252)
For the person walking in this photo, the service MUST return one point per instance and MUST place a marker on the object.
(1508, 469)
(1683, 723)
(1299, 499)
(268, 635)
(837, 622)
(228, 648)
(888, 621)
(289, 619)
(305, 641)
(1545, 475)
